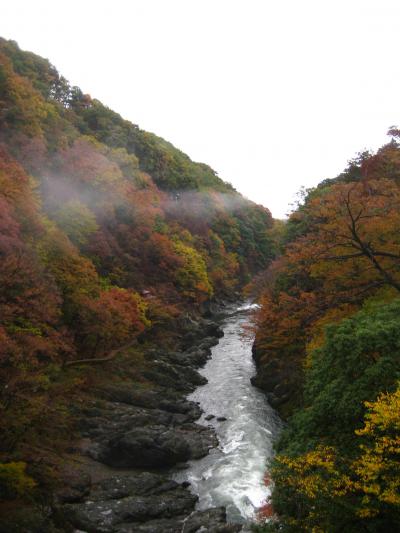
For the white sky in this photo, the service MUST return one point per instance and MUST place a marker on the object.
(273, 94)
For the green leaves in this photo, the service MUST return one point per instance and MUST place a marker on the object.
(359, 358)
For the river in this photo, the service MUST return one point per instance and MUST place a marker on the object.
(233, 474)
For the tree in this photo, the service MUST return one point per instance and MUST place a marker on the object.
(77, 221)
(354, 227)
(337, 463)
(378, 467)
(192, 276)
(110, 320)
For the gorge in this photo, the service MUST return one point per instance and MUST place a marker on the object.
(233, 474)
(132, 397)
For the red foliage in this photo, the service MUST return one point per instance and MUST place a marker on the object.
(265, 512)
(84, 163)
(267, 479)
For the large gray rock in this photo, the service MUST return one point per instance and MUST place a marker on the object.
(211, 521)
(116, 504)
(154, 446)
(148, 426)
(143, 484)
(213, 329)
(175, 377)
(160, 525)
(157, 398)
(198, 356)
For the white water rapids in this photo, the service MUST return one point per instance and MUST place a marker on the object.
(233, 474)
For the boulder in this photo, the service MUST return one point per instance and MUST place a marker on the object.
(154, 446)
(211, 520)
(119, 503)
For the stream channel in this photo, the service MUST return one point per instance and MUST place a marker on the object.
(232, 474)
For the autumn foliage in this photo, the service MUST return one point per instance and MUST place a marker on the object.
(108, 234)
(327, 352)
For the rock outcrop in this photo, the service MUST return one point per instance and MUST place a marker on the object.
(138, 432)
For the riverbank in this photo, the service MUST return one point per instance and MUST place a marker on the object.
(132, 433)
(233, 474)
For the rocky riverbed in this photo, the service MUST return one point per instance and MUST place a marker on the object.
(133, 436)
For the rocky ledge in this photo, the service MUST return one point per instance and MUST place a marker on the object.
(146, 502)
(138, 432)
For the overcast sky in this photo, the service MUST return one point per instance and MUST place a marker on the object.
(273, 94)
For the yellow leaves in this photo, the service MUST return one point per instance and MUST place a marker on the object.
(374, 475)
(366, 512)
(192, 276)
(378, 467)
(14, 482)
(315, 474)
(383, 414)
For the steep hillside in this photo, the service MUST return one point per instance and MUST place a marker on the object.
(109, 235)
(328, 355)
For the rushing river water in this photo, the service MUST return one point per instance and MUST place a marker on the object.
(232, 474)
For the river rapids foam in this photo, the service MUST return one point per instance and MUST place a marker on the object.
(233, 474)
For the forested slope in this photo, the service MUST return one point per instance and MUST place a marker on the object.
(108, 234)
(328, 352)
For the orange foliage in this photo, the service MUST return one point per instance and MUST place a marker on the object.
(110, 320)
(349, 250)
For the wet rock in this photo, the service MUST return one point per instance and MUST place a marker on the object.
(213, 329)
(211, 520)
(166, 400)
(144, 483)
(282, 389)
(277, 401)
(181, 466)
(161, 525)
(208, 342)
(196, 331)
(76, 486)
(179, 359)
(148, 426)
(214, 309)
(200, 440)
(280, 378)
(176, 377)
(154, 446)
(146, 447)
(198, 356)
(118, 503)
(119, 418)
